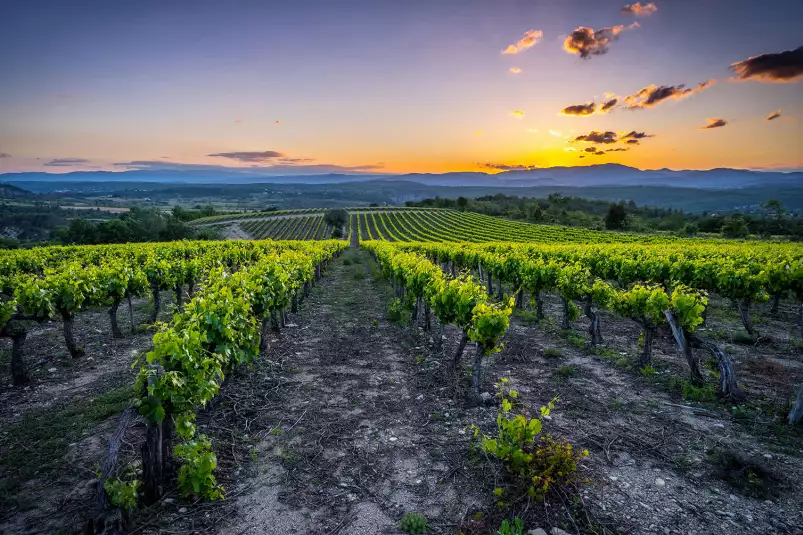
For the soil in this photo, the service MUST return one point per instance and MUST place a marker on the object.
(350, 420)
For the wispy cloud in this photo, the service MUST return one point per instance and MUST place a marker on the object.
(66, 162)
(781, 67)
(639, 10)
(579, 109)
(250, 157)
(508, 167)
(528, 40)
(587, 42)
(774, 115)
(714, 123)
(290, 166)
(517, 114)
(652, 95)
(555, 133)
(618, 149)
(515, 70)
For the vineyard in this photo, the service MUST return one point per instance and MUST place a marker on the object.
(462, 368)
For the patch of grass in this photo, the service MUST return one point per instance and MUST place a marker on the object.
(358, 275)
(528, 317)
(347, 261)
(567, 371)
(747, 476)
(705, 393)
(606, 353)
(575, 339)
(39, 442)
(616, 404)
(552, 353)
(622, 362)
(414, 523)
(647, 371)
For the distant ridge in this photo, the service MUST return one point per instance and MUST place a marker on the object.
(593, 175)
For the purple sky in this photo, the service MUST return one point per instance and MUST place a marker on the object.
(318, 86)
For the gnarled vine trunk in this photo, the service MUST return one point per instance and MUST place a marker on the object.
(17, 332)
(490, 286)
(69, 335)
(520, 299)
(683, 340)
(775, 304)
(593, 329)
(157, 303)
(427, 316)
(294, 303)
(728, 388)
(458, 353)
(263, 334)
(744, 314)
(796, 414)
(179, 295)
(116, 332)
(539, 306)
(131, 312)
(156, 454)
(499, 294)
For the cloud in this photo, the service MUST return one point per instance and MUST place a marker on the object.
(277, 122)
(782, 67)
(4, 155)
(608, 105)
(639, 10)
(618, 149)
(653, 95)
(597, 137)
(514, 70)
(517, 113)
(250, 157)
(637, 135)
(774, 115)
(528, 40)
(555, 133)
(632, 142)
(66, 162)
(506, 167)
(714, 123)
(288, 168)
(580, 109)
(586, 42)
(238, 121)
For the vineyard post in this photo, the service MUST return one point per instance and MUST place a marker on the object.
(796, 414)
(649, 336)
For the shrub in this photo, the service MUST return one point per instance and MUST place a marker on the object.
(397, 311)
(414, 523)
(647, 371)
(576, 340)
(516, 528)
(552, 353)
(535, 463)
(569, 370)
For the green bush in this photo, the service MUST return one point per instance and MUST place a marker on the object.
(414, 523)
(569, 370)
(552, 353)
(534, 463)
(516, 528)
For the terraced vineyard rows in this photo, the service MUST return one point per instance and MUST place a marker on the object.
(290, 227)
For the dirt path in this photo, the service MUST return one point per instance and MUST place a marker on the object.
(339, 438)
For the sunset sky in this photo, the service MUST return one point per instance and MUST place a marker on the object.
(403, 86)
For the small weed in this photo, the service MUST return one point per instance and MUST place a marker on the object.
(575, 339)
(647, 371)
(552, 353)
(514, 528)
(414, 523)
(358, 275)
(346, 261)
(254, 455)
(616, 404)
(374, 322)
(690, 392)
(622, 362)
(528, 317)
(606, 353)
(568, 370)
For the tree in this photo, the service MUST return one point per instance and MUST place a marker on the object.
(615, 219)
(462, 202)
(735, 227)
(774, 205)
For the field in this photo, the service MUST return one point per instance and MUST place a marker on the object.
(334, 386)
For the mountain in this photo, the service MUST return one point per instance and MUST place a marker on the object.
(593, 175)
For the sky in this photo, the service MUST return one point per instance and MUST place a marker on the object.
(303, 86)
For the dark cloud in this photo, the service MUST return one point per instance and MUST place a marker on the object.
(582, 156)
(639, 10)
(587, 42)
(506, 167)
(597, 137)
(5, 155)
(608, 106)
(290, 167)
(653, 95)
(637, 135)
(618, 149)
(782, 67)
(774, 115)
(632, 141)
(66, 162)
(714, 123)
(579, 109)
(249, 156)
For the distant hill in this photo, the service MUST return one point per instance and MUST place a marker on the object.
(593, 175)
(7, 191)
